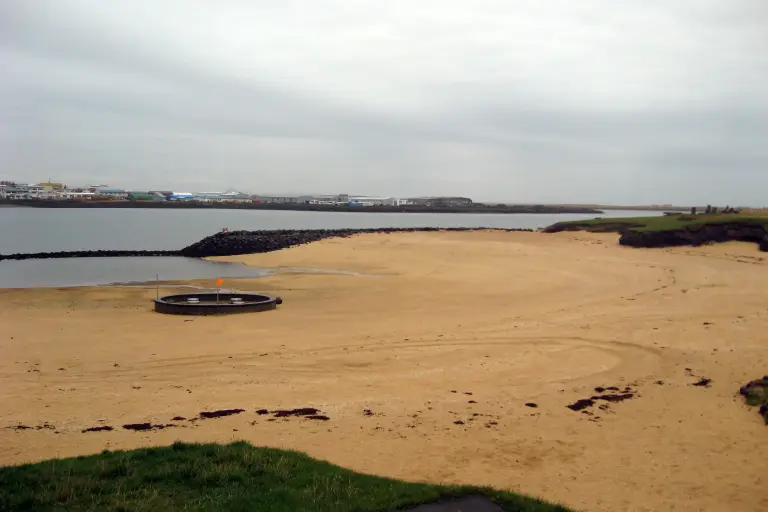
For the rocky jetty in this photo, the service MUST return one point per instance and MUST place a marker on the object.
(84, 254)
(250, 242)
(236, 242)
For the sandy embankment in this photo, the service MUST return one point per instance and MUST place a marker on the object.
(444, 328)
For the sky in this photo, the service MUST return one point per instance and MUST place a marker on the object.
(529, 101)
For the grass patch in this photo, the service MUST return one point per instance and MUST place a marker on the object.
(212, 477)
(661, 223)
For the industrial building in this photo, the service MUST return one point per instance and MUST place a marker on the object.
(437, 201)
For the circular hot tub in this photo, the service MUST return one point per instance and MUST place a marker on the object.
(211, 303)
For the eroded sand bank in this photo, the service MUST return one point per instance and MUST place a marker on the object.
(443, 341)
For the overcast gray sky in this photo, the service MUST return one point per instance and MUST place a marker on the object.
(631, 101)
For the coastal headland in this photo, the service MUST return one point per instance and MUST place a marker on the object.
(565, 366)
(676, 230)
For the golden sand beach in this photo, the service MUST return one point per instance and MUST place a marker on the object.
(424, 358)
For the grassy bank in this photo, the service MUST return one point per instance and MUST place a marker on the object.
(212, 477)
(658, 223)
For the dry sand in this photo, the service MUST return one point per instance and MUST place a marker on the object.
(439, 328)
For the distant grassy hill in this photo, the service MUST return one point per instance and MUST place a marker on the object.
(672, 230)
(208, 477)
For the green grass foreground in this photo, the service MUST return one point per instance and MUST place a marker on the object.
(665, 222)
(214, 477)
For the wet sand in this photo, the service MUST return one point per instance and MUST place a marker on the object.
(424, 364)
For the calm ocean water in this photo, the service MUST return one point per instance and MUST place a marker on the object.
(43, 230)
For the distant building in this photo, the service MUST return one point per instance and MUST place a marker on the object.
(51, 186)
(114, 193)
(276, 199)
(181, 196)
(372, 201)
(18, 191)
(146, 196)
(452, 201)
(73, 195)
(437, 201)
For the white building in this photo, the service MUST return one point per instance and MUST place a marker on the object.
(373, 201)
(18, 191)
(116, 193)
(66, 194)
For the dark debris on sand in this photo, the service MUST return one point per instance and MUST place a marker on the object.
(220, 413)
(615, 397)
(102, 428)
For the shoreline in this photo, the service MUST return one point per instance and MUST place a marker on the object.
(230, 243)
(191, 205)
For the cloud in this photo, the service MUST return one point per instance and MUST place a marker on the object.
(529, 101)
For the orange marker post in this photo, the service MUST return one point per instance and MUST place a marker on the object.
(218, 286)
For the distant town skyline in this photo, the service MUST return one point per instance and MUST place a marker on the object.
(533, 101)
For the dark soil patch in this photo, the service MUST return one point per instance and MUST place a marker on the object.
(531, 404)
(584, 403)
(262, 412)
(367, 412)
(220, 413)
(317, 417)
(304, 411)
(44, 426)
(703, 382)
(103, 428)
(178, 418)
(614, 398)
(142, 427)
(458, 422)
(579, 405)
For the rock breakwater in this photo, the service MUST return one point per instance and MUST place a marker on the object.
(236, 242)
(251, 242)
(84, 254)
